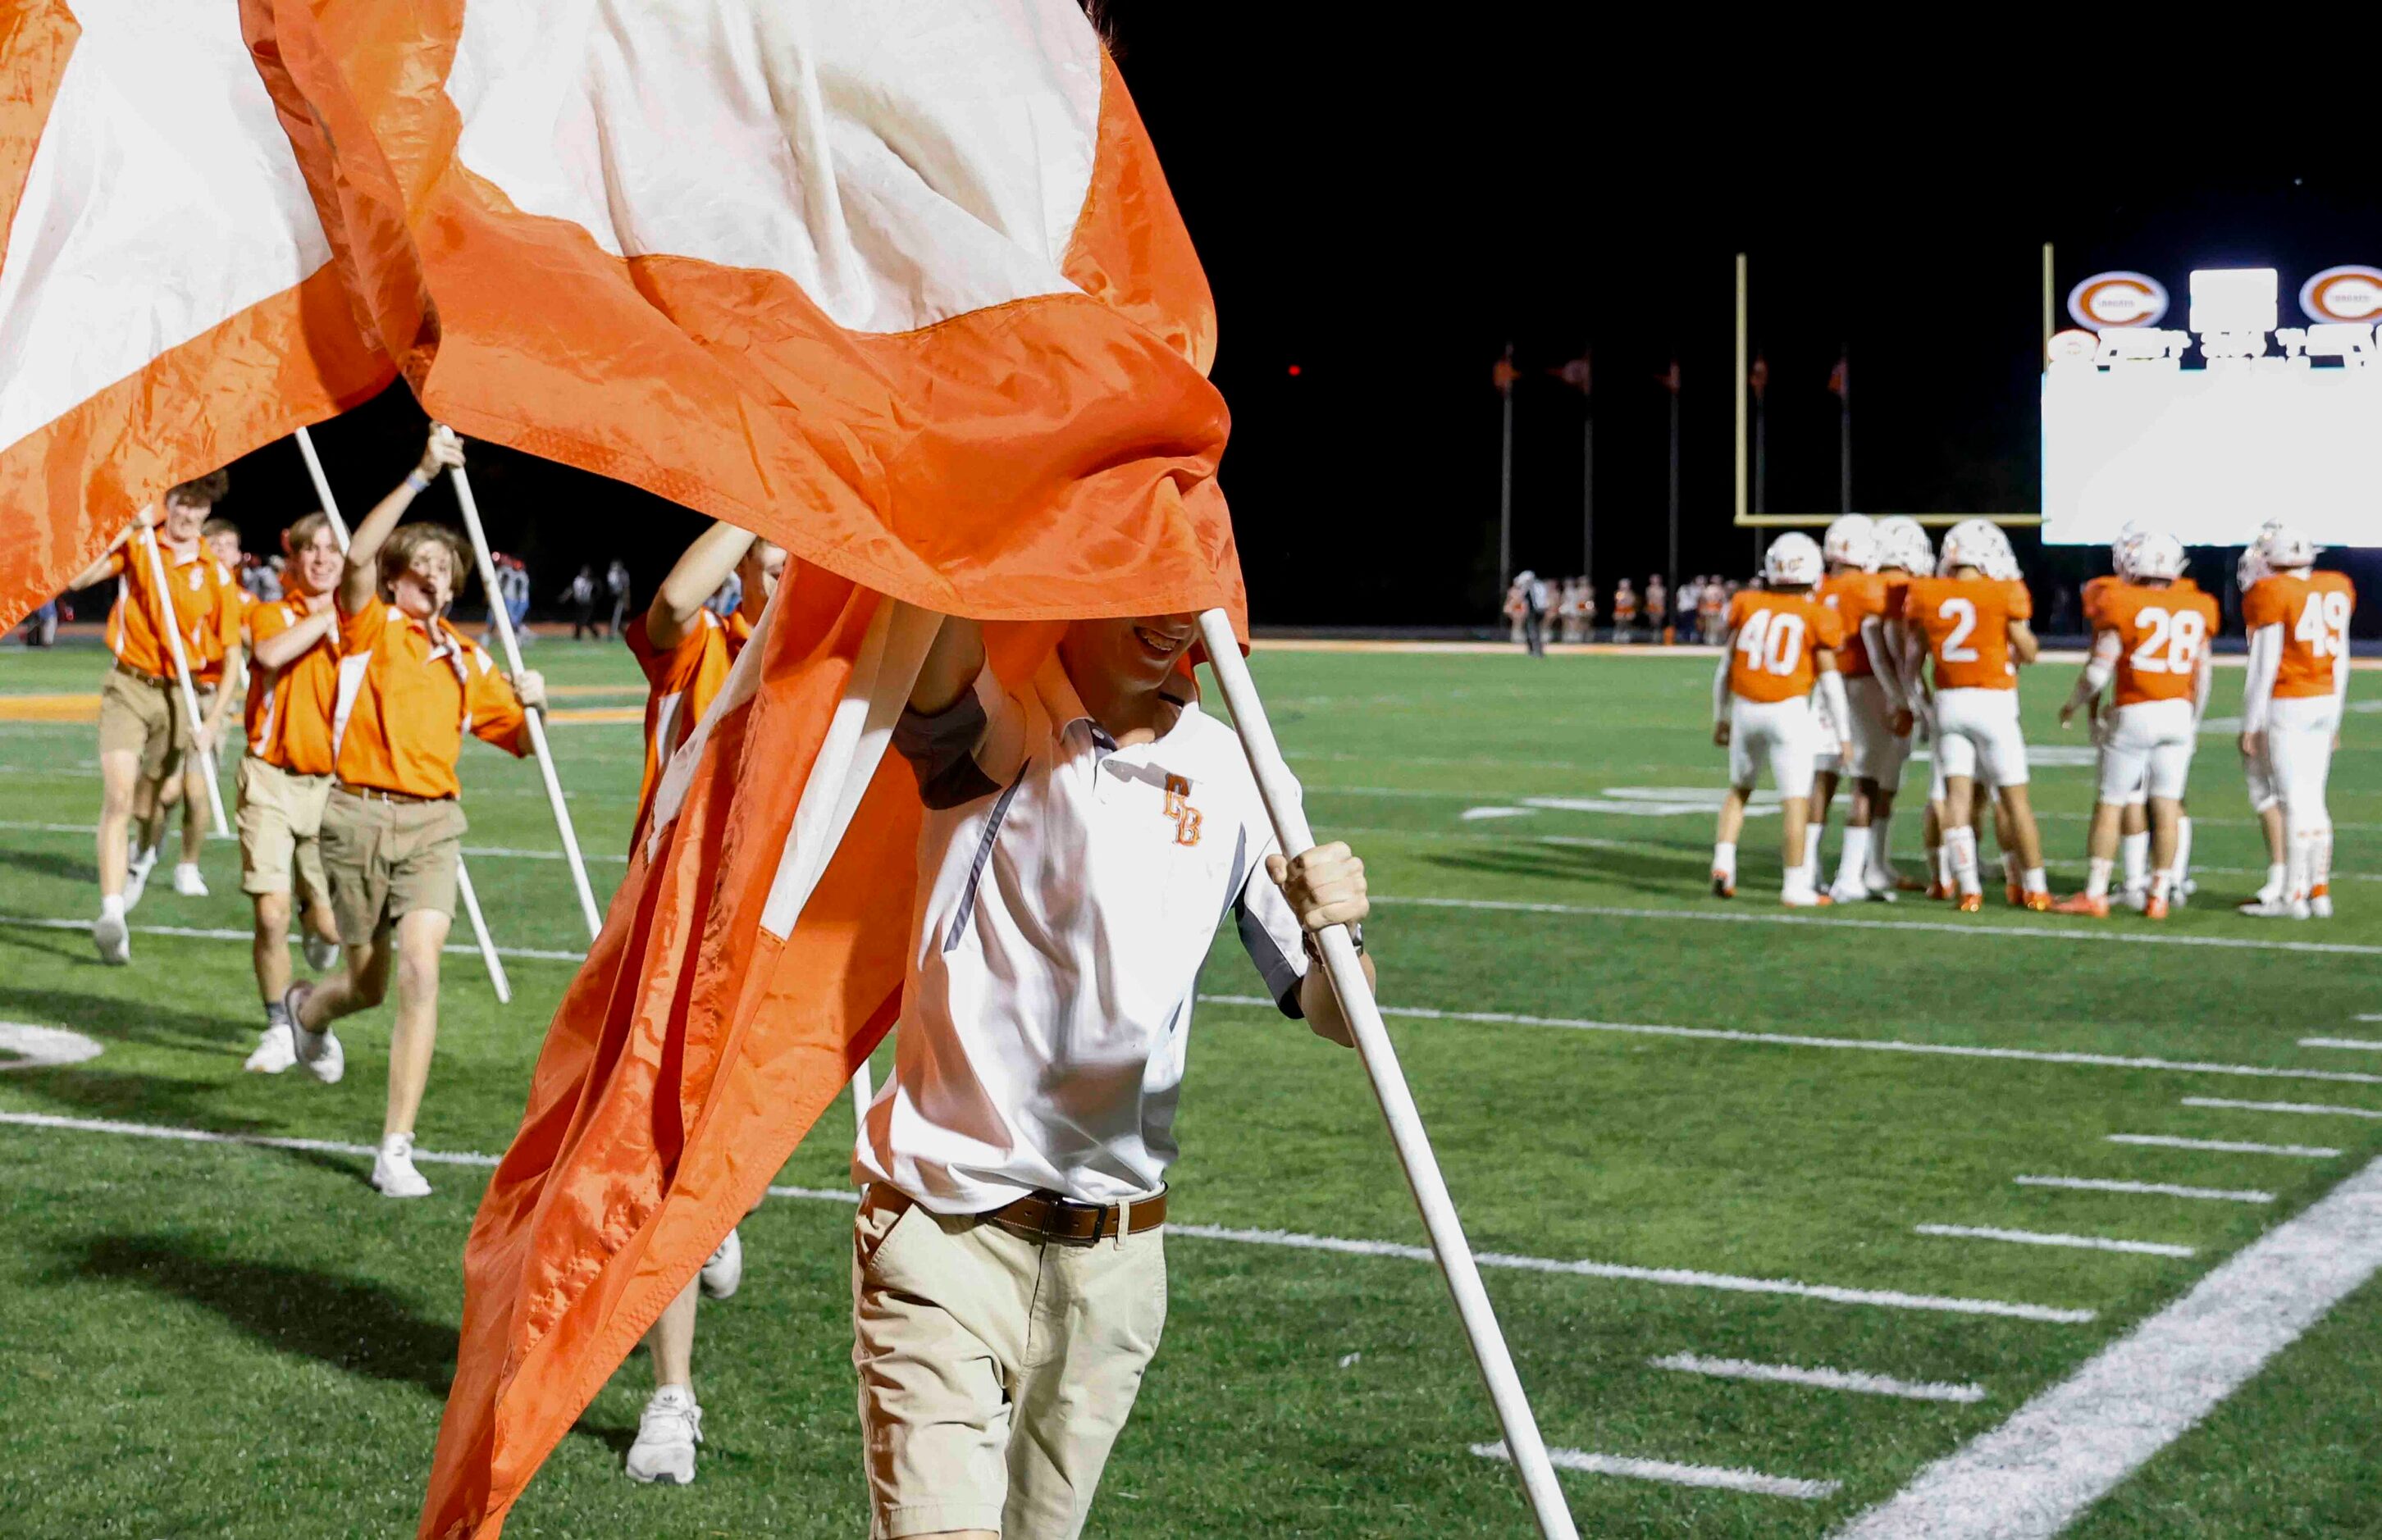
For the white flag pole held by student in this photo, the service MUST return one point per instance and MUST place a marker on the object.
(463, 889)
(504, 621)
(1279, 793)
(172, 625)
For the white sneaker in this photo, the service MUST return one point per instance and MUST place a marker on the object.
(393, 1171)
(276, 1050)
(1800, 897)
(2137, 899)
(318, 1051)
(1857, 894)
(2320, 908)
(136, 877)
(321, 955)
(113, 937)
(186, 880)
(667, 1436)
(725, 1272)
(2261, 908)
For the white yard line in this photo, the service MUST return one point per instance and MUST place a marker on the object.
(2104, 935)
(2366, 1044)
(2157, 1189)
(1725, 1478)
(1869, 1044)
(495, 851)
(2225, 1146)
(2318, 1109)
(2049, 1238)
(202, 932)
(2036, 1474)
(1826, 1379)
(1676, 1277)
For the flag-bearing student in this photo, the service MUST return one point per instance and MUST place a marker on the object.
(216, 673)
(411, 686)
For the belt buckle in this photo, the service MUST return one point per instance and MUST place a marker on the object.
(1059, 1205)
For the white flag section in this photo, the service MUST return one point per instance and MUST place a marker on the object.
(901, 164)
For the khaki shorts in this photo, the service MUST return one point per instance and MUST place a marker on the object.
(995, 1372)
(138, 718)
(385, 860)
(280, 820)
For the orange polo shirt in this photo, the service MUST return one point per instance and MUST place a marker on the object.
(209, 626)
(681, 684)
(408, 691)
(290, 708)
(207, 672)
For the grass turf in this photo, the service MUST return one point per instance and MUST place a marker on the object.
(204, 1339)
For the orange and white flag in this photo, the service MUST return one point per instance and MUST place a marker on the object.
(901, 288)
(166, 298)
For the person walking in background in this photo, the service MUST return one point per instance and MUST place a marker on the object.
(1712, 611)
(41, 627)
(512, 582)
(1535, 599)
(580, 597)
(616, 584)
(1658, 609)
(1517, 611)
(1625, 610)
(1691, 598)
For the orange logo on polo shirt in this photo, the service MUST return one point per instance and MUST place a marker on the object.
(1178, 807)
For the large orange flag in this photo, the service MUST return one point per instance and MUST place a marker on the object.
(900, 287)
(166, 298)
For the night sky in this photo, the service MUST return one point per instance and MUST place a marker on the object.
(1385, 215)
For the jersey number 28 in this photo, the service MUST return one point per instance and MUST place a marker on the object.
(2172, 644)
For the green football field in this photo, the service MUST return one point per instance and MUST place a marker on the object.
(227, 1336)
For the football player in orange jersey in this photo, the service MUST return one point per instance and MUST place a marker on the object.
(1878, 728)
(2291, 704)
(1972, 627)
(1781, 640)
(2151, 637)
(2264, 801)
(2134, 816)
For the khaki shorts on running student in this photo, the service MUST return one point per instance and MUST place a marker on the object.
(995, 1372)
(280, 821)
(386, 859)
(138, 718)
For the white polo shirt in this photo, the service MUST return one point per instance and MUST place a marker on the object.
(1068, 892)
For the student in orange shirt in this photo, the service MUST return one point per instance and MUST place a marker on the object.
(210, 666)
(144, 731)
(2151, 637)
(1781, 641)
(410, 685)
(285, 777)
(2291, 705)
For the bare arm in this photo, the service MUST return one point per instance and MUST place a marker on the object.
(1885, 659)
(1831, 694)
(2095, 675)
(1720, 681)
(695, 576)
(1325, 887)
(2023, 646)
(361, 579)
(952, 663)
(284, 648)
(2258, 685)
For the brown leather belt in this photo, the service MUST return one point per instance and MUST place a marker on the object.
(143, 676)
(375, 794)
(1048, 1219)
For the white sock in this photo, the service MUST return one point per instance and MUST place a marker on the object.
(2278, 878)
(1811, 848)
(1960, 845)
(1942, 856)
(1881, 846)
(2160, 884)
(112, 904)
(1724, 860)
(181, 866)
(2032, 880)
(1853, 859)
(2182, 866)
(2096, 876)
(2320, 859)
(2136, 848)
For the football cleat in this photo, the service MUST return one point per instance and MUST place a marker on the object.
(188, 882)
(1803, 897)
(1971, 903)
(393, 1172)
(2320, 905)
(276, 1050)
(2037, 903)
(1723, 886)
(667, 1434)
(2266, 909)
(1937, 890)
(2136, 897)
(1840, 893)
(2083, 903)
(113, 939)
(2013, 894)
(1908, 884)
(2155, 907)
(724, 1271)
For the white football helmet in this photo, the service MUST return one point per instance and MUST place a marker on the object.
(1902, 542)
(2250, 569)
(1793, 558)
(2283, 548)
(1852, 541)
(1973, 543)
(2122, 547)
(2154, 555)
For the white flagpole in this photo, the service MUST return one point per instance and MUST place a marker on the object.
(1280, 792)
(463, 874)
(172, 622)
(487, 563)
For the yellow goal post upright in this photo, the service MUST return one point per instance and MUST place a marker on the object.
(1746, 519)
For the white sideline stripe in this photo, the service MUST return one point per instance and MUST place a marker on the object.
(1676, 1276)
(2370, 1015)
(1826, 1379)
(2046, 933)
(2158, 1189)
(2030, 1477)
(496, 852)
(2225, 1146)
(2050, 1237)
(202, 932)
(1727, 1478)
(1872, 1045)
(2366, 1043)
(2311, 1108)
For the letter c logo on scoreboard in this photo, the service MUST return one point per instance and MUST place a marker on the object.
(2352, 293)
(2106, 301)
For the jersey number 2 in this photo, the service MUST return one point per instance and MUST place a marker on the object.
(1962, 613)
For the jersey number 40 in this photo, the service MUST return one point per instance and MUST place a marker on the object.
(1772, 642)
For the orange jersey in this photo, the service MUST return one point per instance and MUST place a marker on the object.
(2095, 590)
(2314, 612)
(1772, 640)
(1625, 604)
(1856, 598)
(408, 693)
(2162, 635)
(681, 683)
(210, 625)
(208, 673)
(290, 708)
(1967, 622)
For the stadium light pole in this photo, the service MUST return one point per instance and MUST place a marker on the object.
(1504, 375)
(463, 889)
(1279, 790)
(1845, 428)
(1671, 571)
(1587, 481)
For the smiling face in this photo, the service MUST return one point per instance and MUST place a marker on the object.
(1126, 657)
(184, 518)
(314, 562)
(425, 585)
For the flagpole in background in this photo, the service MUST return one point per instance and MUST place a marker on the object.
(1504, 374)
(1671, 382)
(1279, 790)
(172, 625)
(1841, 382)
(1578, 373)
(538, 745)
(463, 888)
